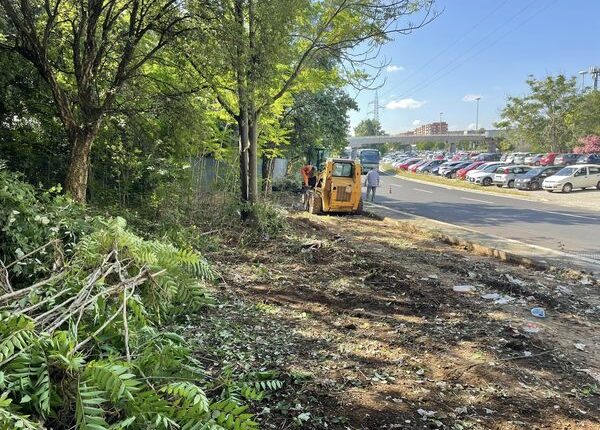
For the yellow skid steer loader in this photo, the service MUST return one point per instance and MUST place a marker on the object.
(338, 188)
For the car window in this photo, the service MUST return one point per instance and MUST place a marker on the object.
(343, 170)
(581, 172)
(594, 170)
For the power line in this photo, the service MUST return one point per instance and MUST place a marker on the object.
(455, 41)
(462, 59)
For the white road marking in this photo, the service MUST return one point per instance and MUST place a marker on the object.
(477, 200)
(423, 191)
(564, 214)
(396, 185)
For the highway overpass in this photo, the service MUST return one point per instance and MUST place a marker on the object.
(451, 139)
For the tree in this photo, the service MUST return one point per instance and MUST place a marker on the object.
(542, 117)
(369, 127)
(588, 145)
(586, 116)
(319, 120)
(87, 51)
(270, 47)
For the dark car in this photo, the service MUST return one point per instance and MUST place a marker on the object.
(566, 159)
(427, 168)
(532, 180)
(589, 159)
(451, 171)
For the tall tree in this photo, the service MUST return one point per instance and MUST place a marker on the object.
(270, 46)
(369, 127)
(86, 51)
(542, 117)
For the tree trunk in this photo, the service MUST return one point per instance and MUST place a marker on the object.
(77, 177)
(243, 151)
(267, 174)
(253, 158)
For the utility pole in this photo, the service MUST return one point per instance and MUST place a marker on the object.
(595, 72)
(477, 117)
(583, 73)
(376, 106)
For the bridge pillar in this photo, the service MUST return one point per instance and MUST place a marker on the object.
(492, 147)
(453, 147)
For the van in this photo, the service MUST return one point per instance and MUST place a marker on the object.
(569, 178)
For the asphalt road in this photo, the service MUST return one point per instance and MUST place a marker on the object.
(556, 227)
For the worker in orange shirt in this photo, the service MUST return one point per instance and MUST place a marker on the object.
(309, 177)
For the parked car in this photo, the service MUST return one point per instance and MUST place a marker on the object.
(413, 167)
(579, 176)
(426, 168)
(462, 173)
(510, 158)
(484, 176)
(451, 171)
(448, 166)
(548, 159)
(566, 159)
(589, 159)
(533, 159)
(533, 179)
(488, 156)
(484, 166)
(519, 157)
(404, 164)
(505, 175)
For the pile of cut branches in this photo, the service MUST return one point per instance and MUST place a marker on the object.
(85, 346)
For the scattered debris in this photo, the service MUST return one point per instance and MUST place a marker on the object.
(580, 346)
(538, 312)
(463, 288)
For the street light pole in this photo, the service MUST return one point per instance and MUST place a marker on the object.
(477, 117)
(583, 73)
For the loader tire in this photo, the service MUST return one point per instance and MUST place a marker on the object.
(314, 204)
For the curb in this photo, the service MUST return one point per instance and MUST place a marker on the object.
(436, 228)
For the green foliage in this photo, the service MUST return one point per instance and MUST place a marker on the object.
(87, 347)
(542, 119)
(369, 127)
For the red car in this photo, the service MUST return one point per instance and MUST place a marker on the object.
(404, 165)
(413, 167)
(462, 173)
(548, 159)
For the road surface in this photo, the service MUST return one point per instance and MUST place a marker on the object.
(571, 230)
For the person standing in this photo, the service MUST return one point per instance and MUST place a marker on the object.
(372, 182)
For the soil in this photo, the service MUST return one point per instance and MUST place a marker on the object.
(363, 322)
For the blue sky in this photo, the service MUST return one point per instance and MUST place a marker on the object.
(481, 48)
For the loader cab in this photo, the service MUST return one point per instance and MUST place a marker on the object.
(338, 188)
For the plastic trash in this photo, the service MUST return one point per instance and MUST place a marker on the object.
(538, 312)
(531, 328)
(463, 288)
(580, 346)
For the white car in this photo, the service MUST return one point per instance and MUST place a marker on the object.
(580, 176)
(485, 167)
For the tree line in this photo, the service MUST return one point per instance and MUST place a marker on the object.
(107, 92)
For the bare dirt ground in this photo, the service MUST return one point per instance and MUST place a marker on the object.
(363, 321)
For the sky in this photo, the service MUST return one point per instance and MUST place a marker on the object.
(480, 48)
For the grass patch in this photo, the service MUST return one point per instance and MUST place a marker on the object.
(456, 183)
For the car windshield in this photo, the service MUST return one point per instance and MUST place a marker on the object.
(369, 157)
(342, 170)
(534, 172)
(567, 171)
(491, 168)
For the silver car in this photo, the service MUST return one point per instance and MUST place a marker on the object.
(533, 159)
(505, 175)
(519, 157)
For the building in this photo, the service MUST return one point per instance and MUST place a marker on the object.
(433, 128)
